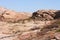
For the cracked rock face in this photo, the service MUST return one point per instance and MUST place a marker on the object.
(41, 25)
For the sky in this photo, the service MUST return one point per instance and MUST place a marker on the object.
(30, 5)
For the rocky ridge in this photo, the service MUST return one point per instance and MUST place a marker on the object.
(40, 25)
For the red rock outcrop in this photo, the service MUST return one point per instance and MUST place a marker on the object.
(46, 14)
(12, 16)
(41, 25)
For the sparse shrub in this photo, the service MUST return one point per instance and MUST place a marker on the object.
(58, 30)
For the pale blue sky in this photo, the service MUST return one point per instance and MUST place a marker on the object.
(30, 5)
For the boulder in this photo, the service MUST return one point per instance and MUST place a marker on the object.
(57, 14)
(57, 35)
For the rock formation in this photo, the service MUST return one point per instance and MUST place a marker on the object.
(12, 16)
(40, 25)
(46, 14)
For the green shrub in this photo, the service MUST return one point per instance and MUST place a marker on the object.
(58, 30)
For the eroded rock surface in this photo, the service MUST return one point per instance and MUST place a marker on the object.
(40, 25)
(46, 14)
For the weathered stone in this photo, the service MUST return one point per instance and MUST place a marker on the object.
(41, 25)
(57, 35)
(46, 15)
